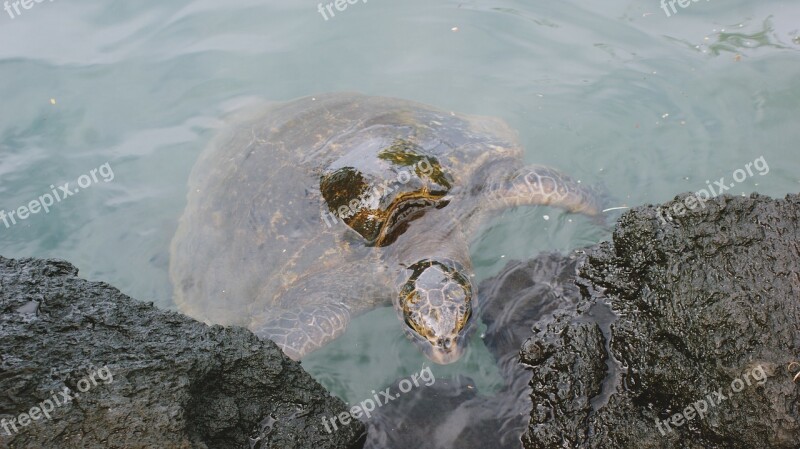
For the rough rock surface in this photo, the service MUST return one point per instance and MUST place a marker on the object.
(171, 382)
(701, 302)
(451, 413)
(668, 314)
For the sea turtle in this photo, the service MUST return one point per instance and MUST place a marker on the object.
(308, 213)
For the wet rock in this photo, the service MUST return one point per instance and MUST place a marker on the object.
(665, 321)
(704, 327)
(140, 377)
(451, 413)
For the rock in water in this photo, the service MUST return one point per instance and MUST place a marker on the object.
(139, 377)
(707, 303)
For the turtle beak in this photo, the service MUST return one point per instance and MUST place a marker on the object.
(445, 353)
(444, 358)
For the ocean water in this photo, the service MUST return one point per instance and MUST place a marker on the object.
(121, 97)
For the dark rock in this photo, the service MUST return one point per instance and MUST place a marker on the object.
(160, 380)
(667, 314)
(701, 302)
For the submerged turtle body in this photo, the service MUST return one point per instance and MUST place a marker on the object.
(308, 213)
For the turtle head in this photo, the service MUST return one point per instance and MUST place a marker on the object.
(436, 304)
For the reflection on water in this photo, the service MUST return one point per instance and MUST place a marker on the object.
(612, 92)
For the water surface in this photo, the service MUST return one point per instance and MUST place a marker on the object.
(615, 93)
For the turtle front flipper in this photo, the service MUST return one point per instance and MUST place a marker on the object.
(305, 329)
(535, 185)
(317, 309)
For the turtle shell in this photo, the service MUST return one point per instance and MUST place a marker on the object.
(254, 228)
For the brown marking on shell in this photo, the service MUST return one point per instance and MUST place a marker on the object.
(351, 194)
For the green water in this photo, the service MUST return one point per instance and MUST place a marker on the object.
(615, 93)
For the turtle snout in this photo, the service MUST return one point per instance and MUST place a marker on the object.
(444, 350)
